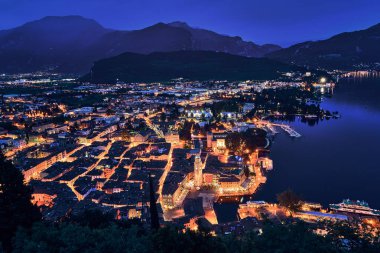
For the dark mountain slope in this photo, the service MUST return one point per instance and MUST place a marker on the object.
(210, 41)
(156, 38)
(48, 43)
(346, 50)
(73, 43)
(194, 65)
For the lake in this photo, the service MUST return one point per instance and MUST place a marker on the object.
(334, 159)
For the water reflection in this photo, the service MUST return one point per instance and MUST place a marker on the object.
(334, 159)
(337, 158)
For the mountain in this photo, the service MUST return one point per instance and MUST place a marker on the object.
(157, 38)
(343, 51)
(51, 42)
(194, 65)
(73, 43)
(205, 40)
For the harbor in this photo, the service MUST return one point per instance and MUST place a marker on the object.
(322, 165)
(270, 127)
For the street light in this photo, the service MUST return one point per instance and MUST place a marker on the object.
(323, 80)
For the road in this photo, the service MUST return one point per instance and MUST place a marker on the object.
(152, 126)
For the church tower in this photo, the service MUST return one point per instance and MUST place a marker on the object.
(198, 176)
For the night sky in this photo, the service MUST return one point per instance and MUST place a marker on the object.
(282, 22)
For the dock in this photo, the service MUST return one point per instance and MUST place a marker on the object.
(270, 127)
(290, 131)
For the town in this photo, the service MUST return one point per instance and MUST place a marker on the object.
(99, 146)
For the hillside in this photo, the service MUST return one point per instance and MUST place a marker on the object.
(210, 41)
(72, 43)
(343, 51)
(194, 65)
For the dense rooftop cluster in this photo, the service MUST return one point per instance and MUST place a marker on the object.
(107, 147)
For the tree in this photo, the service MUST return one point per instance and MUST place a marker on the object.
(162, 117)
(155, 224)
(250, 139)
(74, 127)
(196, 127)
(185, 132)
(27, 129)
(236, 143)
(73, 238)
(352, 236)
(169, 240)
(295, 238)
(125, 135)
(203, 117)
(109, 112)
(16, 208)
(92, 218)
(289, 200)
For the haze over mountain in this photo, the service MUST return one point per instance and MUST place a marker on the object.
(73, 43)
(347, 50)
(193, 65)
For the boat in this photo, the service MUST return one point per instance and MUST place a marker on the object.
(354, 206)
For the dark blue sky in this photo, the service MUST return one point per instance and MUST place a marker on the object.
(263, 21)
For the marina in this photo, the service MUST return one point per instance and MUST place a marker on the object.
(322, 166)
(271, 128)
(290, 131)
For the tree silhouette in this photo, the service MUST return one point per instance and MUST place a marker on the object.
(125, 135)
(290, 237)
(155, 224)
(289, 200)
(16, 208)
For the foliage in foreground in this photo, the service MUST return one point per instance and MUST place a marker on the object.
(16, 209)
(294, 237)
(94, 232)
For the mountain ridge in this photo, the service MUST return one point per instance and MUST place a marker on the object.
(73, 43)
(347, 50)
(192, 65)
(205, 40)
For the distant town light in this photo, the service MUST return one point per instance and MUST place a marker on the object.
(323, 80)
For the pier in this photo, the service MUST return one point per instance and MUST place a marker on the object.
(272, 130)
(290, 131)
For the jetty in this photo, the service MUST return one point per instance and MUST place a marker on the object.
(270, 127)
(290, 131)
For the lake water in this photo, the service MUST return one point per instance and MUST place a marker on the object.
(334, 159)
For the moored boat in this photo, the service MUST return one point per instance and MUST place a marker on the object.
(357, 207)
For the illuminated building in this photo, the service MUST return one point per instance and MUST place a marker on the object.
(217, 142)
(198, 175)
(172, 137)
(265, 163)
